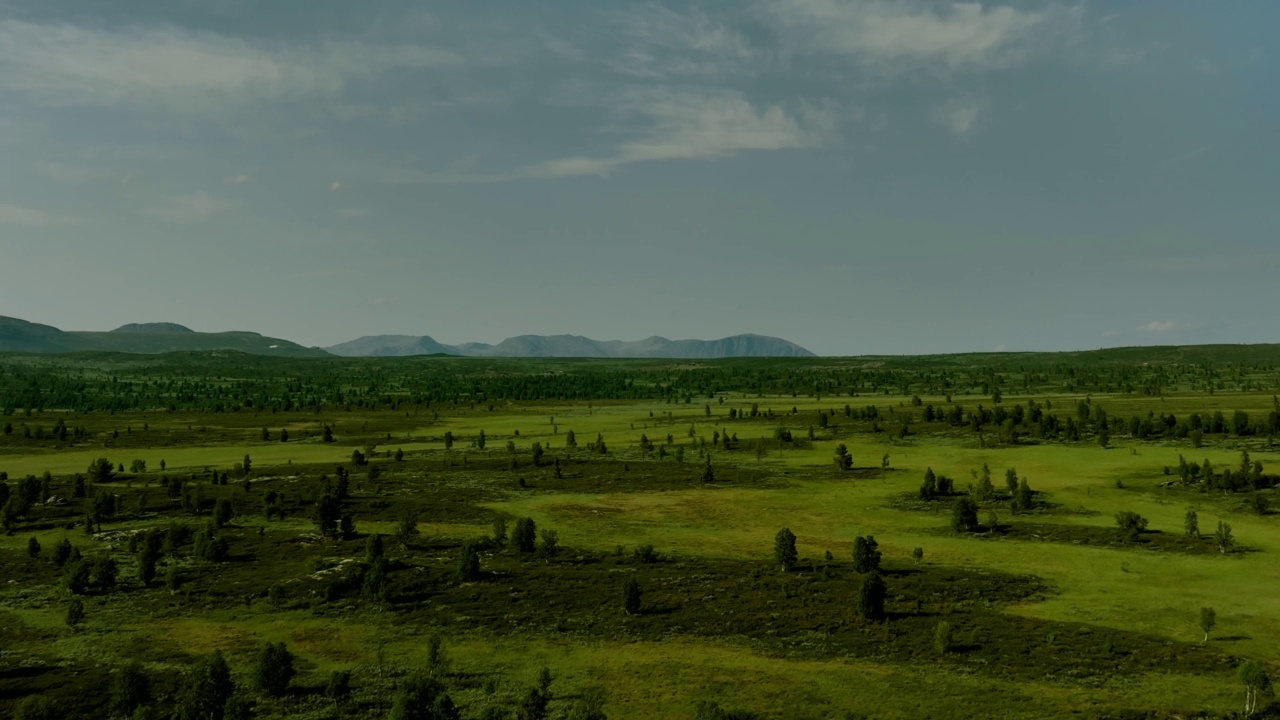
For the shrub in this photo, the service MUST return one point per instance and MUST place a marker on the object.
(1131, 523)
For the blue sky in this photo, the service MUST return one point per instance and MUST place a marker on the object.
(858, 176)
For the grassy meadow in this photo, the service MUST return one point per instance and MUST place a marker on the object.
(1053, 612)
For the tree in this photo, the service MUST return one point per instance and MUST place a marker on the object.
(500, 531)
(284, 435)
(1222, 536)
(918, 555)
(1104, 434)
(1024, 498)
(469, 563)
(328, 434)
(448, 440)
(1131, 524)
(942, 638)
(37, 707)
(222, 512)
(525, 534)
(130, 689)
(373, 548)
(1191, 524)
(784, 549)
(101, 470)
(75, 613)
(844, 461)
(964, 516)
(1208, 620)
(437, 656)
(209, 690)
(415, 699)
(246, 465)
(550, 545)
(406, 528)
(273, 669)
(33, 547)
(480, 440)
(929, 487)
(631, 596)
(399, 456)
(338, 686)
(328, 512)
(866, 555)
(708, 475)
(1256, 681)
(871, 597)
(985, 490)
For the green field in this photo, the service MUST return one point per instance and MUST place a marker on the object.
(1053, 612)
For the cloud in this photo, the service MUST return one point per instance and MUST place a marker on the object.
(188, 209)
(689, 125)
(1157, 326)
(336, 186)
(353, 212)
(76, 173)
(185, 69)
(1111, 333)
(237, 180)
(660, 42)
(31, 217)
(911, 35)
(959, 115)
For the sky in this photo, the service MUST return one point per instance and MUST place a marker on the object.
(857, 176)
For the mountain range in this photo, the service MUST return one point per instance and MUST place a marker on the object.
(573, 346)
(147, 338)
(23, 336)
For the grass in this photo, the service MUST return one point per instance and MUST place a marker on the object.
(1142, 596)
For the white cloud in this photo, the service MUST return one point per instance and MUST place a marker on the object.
(188, 209)
(353, 212)
(186, 69)
(1157, 326)
(336, 186)
(661, 42)
(76, 173)
(31, 217)
(902, 36)
(687, 125)
(960, 115)
(237, 180)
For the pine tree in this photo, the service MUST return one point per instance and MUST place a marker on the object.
(784, 549)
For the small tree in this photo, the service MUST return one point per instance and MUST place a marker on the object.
(631, 596)
(222, 512)
(500, 531)
(1208, 620)
(550, 545)
(1024, 498)
(1011, 481)
(1256, 681)
(1222, 536)
(918, 555)
(373, 548)
(209, 690)
(33, 547)
(75, 613)
(942, 638)
(338, 686)
(929, 487)
(1131, 524)
(525, 534)
(469, 563)
(273, 669)
(866, 554)
(784, 549)
(130, 689)
(416, 698)
(871, 597)
(1191, 524)
(964, 516)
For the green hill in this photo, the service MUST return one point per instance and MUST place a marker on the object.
(21, 336)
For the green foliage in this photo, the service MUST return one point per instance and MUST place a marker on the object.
(646, 554)
(784, 549)
(871, 597)
(524, 535)
(632, 596)
(469, 563)
(75, 613)
(33, 547)
(918, 555)
(37, 707)
(708, 710)
(1256, 681)
(130, 688)
(1208, 620)
(207, 690)
(338, 687)
(942, 638)
(1131, 524)
(549, 546)
(866, 555)
(416, 698)
(1191, 524)
(273, 669)
(1223, 537)
(964, 515)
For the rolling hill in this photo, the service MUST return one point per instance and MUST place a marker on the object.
(148, 338)
(573, 346)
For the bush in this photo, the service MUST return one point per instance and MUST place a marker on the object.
(37, 707)
(1131, 523)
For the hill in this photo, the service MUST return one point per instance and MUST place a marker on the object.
(573, 346)
(21, 336)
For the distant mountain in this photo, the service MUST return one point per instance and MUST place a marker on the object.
(573, 346)
(160, 327)
(149, 338)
